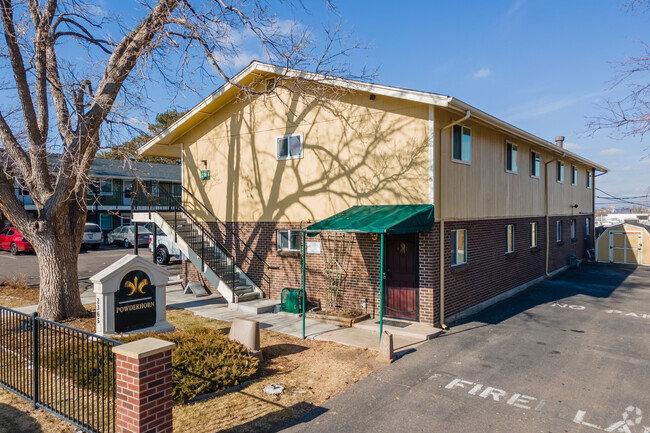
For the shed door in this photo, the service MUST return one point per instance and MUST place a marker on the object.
(401, 297)
(626, 247)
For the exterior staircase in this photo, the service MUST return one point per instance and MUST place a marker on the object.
(203, 250)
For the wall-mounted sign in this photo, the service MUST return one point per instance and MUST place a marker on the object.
(313, 247)
(135, 302)
(205, 174)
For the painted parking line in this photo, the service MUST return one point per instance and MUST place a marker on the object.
(6, 256)
(627, 314)
(630, 421)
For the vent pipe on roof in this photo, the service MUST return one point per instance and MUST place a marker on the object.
(559, 141)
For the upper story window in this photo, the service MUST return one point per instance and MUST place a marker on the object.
(574, 175)
(176, 189)
(560, 171)
(534, 164)
(587, 229)
(289, 146)
(511, 158)
(510, 238)
(106, 187)
(558, 231)
(589, 178)
(459, 247)
(288, 240)
(462, 144)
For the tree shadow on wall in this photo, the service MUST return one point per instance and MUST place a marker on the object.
(364, 157)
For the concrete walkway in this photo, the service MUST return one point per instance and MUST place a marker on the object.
(216, 307)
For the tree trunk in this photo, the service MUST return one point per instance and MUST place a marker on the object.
(57, 244)
(59, 296)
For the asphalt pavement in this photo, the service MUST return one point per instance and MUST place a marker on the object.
(571, 354)
(90, 262)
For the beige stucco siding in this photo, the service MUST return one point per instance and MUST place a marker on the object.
(356, 151)
(484, 189)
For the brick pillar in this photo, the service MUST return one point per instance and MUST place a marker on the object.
(143, 393)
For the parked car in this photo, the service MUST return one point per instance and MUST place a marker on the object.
(165, 247)
(93, 236)
(12, 240)
(125, 235)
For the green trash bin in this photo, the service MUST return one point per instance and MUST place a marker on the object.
(291, 300)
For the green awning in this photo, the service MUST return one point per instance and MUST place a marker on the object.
(389, 219)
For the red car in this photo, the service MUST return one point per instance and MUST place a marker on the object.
(12, 240)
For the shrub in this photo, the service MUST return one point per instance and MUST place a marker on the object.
(205, 361)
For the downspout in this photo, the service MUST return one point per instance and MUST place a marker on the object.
(548, 239)
(443, 325)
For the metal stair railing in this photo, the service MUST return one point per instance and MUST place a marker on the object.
(211, 252)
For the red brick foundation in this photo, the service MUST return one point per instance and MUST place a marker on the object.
(143, 393)
(489, 272)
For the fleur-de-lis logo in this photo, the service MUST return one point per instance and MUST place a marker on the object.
(135, 287)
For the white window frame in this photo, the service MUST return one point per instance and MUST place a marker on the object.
(103, 181)
(559, 176)
(574, 175)
(512, 151)
(535, 164)
(289, 156)
(456, 255)
(559, 227)
(589, 178)
(289, 233)
(573, 229)
(510, 238)
(462, 152)
(533, 235)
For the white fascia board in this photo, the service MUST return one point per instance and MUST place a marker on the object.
(520, 133)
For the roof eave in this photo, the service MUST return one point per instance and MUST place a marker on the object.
(511, 129)
(166, 136)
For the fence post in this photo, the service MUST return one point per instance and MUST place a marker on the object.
(35, 363)
(143, 386)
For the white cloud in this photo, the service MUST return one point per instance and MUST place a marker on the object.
(573, 146)
(612, 151)
(515, 7)
(645, 161)
(482, 73)
(628, 168)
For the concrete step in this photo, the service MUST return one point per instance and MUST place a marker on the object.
(258, 306)
(410, 329)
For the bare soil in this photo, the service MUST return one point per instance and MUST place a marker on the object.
(310, 371)
(347, 314)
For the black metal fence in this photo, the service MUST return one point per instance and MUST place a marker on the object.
(63, 370)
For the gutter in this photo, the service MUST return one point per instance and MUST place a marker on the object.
(443, 325)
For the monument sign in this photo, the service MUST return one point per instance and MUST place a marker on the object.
(131, 297)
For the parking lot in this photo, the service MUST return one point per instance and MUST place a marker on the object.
(90, 262)
(569, 355)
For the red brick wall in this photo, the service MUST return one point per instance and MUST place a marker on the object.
(489, 272)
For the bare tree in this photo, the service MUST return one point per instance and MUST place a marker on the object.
(43, 42)
(629, 115)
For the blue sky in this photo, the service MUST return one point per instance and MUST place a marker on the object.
(543, 66)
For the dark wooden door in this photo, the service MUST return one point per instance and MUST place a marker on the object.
(401, 284)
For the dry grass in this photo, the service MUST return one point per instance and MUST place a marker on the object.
(17, 415)
(14, 292)
(310, 371)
